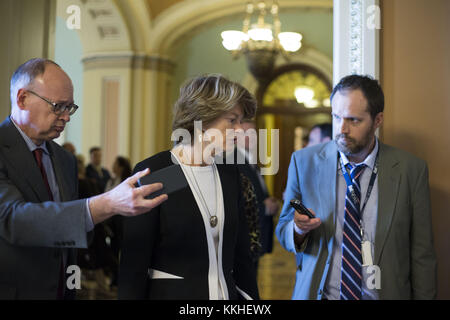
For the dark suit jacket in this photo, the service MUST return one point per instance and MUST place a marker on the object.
(93, 174)
(172, 239)
(34, 231)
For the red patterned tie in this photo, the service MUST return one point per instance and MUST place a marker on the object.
(38, 156)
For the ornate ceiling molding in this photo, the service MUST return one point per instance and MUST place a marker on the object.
(102, 26)
(128, 60)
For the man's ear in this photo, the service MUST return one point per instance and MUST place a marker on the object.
(20, 98)
(378, 120)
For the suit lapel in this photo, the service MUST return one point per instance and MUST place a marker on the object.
(22, 160)
(226, 181)
(326, 168)
(61, 179)
(388, 184)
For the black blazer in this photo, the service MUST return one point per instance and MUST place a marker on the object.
(172, 238)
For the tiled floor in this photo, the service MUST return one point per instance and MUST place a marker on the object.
(95, 286)
(276, 274)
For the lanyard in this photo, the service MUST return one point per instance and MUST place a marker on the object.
(348, 180)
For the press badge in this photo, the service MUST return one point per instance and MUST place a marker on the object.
(366, 252)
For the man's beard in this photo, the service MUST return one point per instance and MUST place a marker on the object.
(351, 146)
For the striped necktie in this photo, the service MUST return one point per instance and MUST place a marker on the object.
(351, 268)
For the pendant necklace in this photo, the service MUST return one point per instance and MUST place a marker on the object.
(213, 220)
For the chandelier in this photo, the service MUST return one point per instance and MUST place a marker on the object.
(262, 41)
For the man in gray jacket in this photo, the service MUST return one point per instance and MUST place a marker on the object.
(371, 237)
(41, 222)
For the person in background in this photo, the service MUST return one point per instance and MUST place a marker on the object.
(319, 133)
(87, 187)
(95, 171)
(121, 171)
(113, 227)
(267, 206)
(195, 245)
(69, 147)
(101, 259)
(87, 258)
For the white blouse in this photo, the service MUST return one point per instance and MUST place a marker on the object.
(207, 190)
(207, 183)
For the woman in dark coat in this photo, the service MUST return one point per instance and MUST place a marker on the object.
(196, 244)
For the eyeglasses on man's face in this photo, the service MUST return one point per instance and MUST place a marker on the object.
(58, 108)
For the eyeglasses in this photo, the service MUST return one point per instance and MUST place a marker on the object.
(58, 108)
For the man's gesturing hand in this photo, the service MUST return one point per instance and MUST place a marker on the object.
(126, 199)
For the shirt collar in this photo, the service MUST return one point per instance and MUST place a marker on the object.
(30, 144)
(370, 159)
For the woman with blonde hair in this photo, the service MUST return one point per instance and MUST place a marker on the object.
(196, 244)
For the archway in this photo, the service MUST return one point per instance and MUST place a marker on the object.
(286, 109)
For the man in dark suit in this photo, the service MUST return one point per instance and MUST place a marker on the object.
(94, 169)
(372, 236)
(41, 222)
